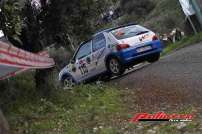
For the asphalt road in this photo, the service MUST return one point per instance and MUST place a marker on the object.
(176, 78)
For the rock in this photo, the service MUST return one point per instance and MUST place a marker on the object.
(95, 129)
(181, 125)
(140, 127)
(150, 131)
(100, 127)
(4, 128)
(155, 128)
(187, 133)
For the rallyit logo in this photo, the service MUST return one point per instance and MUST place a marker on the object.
(161, 116)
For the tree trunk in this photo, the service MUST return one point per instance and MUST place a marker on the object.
(4, 128)
(71, 42)
(44, 81)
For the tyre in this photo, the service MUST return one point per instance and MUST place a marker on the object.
(154, 58)
(115, 67)
(68, 83)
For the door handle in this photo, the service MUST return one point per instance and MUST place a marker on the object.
(88, 60)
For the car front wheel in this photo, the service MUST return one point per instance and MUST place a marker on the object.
(68, 83)
(115, 67)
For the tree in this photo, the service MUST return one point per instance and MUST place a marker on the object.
(31, 34)
(72, 20)
(137, 7)
(60, 22)
(64, 23)
(11, 21)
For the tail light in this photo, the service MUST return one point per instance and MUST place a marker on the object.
(154, 38)
(120, 47)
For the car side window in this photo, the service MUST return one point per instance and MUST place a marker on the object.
(99, 42)
(84, 50)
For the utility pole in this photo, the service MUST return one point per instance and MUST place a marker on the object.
(192, 24)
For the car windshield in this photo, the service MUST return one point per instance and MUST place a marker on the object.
(129, 31)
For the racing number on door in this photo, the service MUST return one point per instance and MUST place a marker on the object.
(83, 69)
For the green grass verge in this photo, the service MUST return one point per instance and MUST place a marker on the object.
(184, 42)
(86, 109)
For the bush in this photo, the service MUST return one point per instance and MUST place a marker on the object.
(16, 89)
(166, 16)
(61, 56)
(136, 7)
(162, 17)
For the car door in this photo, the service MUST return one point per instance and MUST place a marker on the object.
(98, 55)
(83, 59)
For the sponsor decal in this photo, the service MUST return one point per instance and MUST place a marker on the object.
(161, 116)
(83, 69)
(143, 37)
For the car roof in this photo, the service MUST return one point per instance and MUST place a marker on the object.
(106, 31)
(111, 29)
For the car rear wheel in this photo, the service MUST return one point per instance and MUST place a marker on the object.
(154, 58)
(68, 83)
(115, 67)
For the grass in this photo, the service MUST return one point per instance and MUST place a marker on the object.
(86, 109)
(168, 129)
(183, 43)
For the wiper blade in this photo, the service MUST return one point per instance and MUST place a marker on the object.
(142, 32)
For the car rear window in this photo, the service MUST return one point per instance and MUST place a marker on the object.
(129, 31)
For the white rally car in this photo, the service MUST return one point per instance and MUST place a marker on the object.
(110, 52)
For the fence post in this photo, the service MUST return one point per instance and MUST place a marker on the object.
(197, 6)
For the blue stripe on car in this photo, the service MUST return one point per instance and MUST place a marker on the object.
(130, 54)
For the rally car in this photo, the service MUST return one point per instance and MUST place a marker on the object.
(110, 52)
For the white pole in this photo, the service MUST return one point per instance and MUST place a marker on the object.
(192, 24)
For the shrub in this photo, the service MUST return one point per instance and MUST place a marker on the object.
(61, 56)
(139, 8)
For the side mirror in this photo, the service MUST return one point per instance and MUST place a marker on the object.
(72, 61)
